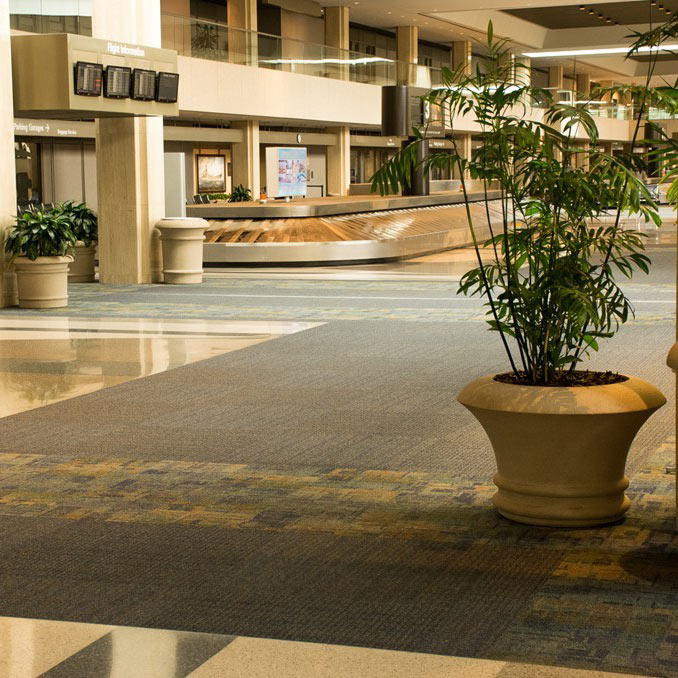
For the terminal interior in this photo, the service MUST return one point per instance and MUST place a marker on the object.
(266, 471)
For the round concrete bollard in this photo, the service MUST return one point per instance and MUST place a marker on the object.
(182, 240)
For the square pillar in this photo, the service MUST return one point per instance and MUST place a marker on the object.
(242, 44)
(337, 37)
(7, 166)
(462, 54)
(130, 197)
(245, 157)
(583, 86)
(407, 53)
(339, 162)
(556, 77)
(337, 27)
(130, 160)
(462, 143)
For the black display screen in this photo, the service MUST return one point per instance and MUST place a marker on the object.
(88, 78)
(167, 88)
(117, 82)
(143, 84)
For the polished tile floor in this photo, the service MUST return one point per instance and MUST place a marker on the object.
(45, 360)
(51, 649)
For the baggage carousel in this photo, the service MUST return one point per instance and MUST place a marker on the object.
(338, 231)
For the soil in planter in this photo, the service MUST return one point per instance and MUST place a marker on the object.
(576, 378)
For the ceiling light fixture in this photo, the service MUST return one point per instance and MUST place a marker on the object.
(600, 52)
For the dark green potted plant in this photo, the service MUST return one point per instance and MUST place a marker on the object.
(40, 245)
(548, 276)
(85, 227)
(240, 194)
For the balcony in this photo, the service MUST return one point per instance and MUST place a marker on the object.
(219, 42)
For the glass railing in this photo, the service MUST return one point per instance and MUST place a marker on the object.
(219, 42)
(598, 109)
(43, 23)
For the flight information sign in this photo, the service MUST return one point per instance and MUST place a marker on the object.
(117, 82)
(88, 78)
(143, 84)
(167, 88)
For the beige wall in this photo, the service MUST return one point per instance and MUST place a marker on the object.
(7, 168)
(301, 27)
(218, 87)
(69, 172)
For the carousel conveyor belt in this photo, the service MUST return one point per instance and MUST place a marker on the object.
(361, 237)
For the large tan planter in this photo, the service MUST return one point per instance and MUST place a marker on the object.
(81, 269)
(561, 451)
(42, 283)
(182, 240)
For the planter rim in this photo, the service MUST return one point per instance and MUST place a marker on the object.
(180, 223)
(632, 395)
(43, 260)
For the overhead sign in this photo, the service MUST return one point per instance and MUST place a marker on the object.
(53, 128)
(125, 50)
(62, 76)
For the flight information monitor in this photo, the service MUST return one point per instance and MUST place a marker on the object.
(167, 88)
(117, 82)
(143, 84)
(88, 78)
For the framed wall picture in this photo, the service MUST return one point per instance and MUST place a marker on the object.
(211, 173)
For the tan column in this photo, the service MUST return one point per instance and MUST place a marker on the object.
(608, 95)
(583, 86)
(242, 46)
(463, 147)
(336, 37)
(556, 77)
(7, 167)
(130, 160)
(245, 157)
(339, 162)
(407, 53)
(336, 27)
(522, 67)
(462, 54)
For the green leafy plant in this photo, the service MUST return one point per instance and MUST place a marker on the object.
(41, 233)
(548, 271)
(218, 196)
(84, 222)
(240, 194)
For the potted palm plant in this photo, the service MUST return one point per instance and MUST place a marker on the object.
(548, 277)
(240, 194)
(84, 224)
(40, 244)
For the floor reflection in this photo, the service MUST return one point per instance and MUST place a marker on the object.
(43, 361)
